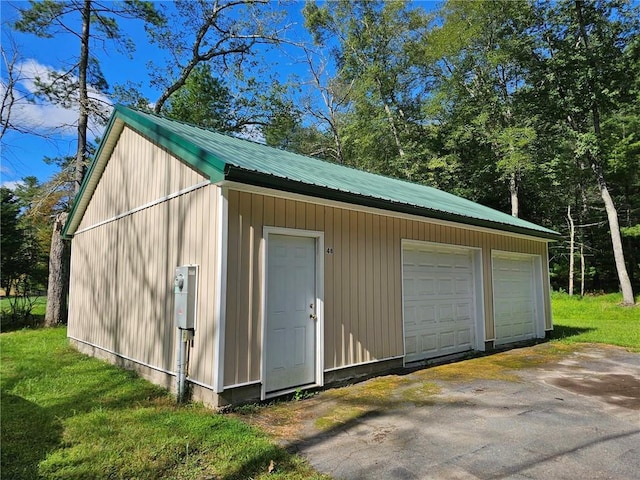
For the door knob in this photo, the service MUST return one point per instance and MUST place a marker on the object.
(313, 316)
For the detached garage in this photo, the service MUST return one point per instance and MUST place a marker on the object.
(295, 272)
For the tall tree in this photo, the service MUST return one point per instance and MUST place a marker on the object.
(368, 39)
(10, 80)
(583, 75)
(204, 101)
(472, 55)
(226, 36)
(23, 268)
(12, 237)
(329, 109)
(71, 88)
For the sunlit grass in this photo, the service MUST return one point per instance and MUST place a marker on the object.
(595, 319)
(66, 415)
(69, 416)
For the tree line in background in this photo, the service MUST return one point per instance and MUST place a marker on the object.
(529, 107)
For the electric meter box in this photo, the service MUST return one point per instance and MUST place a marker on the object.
(185, 288)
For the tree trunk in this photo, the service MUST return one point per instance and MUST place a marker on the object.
(60, 253)
(582, 269)
(616, 238)
(596, 165)
(392, 123)
(83, 118)
(338, 144)
(59, 261)
(572, 236)
(513, 190)
(394, 130)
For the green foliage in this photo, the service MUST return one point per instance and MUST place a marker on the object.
(484, 99)
(12, 237)
(24, 266)
(35, 305)
(381, 134)
(66, 415)
(47, 18)
(204, 101)
(633, 231)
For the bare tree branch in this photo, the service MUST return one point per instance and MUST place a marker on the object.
(229, 43)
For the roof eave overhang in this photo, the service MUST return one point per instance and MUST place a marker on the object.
(236, 174)
(92, 177)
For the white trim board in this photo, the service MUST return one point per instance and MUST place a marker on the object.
(125, 357)
(221, 290)
(140, 362)
(145, 206)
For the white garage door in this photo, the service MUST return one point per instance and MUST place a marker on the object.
(514, 297)
(438, 300)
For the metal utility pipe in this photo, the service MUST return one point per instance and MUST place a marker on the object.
(183, 338)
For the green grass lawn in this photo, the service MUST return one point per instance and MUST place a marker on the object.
(595, 319)
(69, 416)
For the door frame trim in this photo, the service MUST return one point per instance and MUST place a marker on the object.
(536, 261)
(319, 295)
(479, 324)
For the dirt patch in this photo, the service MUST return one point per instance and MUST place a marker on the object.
(616, 389)
(603, 372)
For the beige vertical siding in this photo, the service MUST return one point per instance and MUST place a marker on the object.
(363, 277)
(138, 173)
(121, 296)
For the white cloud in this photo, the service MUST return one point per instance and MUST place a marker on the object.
(11, 185)
(40, 116)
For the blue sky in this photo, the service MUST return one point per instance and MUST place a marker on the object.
(54, 127)
(22, 154)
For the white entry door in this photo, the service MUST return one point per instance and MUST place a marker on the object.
(438, 301)
(514, 297)
(290, 353)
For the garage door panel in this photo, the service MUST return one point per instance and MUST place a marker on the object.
(445, 313)
(514, 295)
(428, 343)
(464, 312)
(464, 338)
(426, 286)
(447, 340)
(463, 285)
(445, 286)
(411, 344)
(439, 299)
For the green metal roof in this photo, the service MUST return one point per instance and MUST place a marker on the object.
(223, 157)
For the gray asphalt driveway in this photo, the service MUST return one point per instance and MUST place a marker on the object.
(530, 413)
(576, 419)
